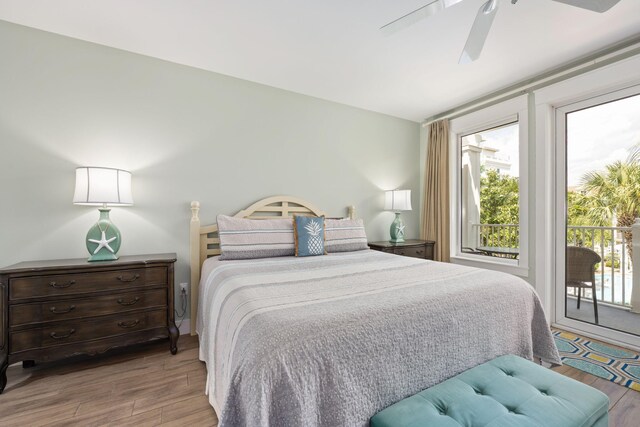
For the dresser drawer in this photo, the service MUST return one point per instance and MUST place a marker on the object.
(79, 283)
(412, 251)
(25, 314)
(61, 308)
(86, 329)
(385, 250)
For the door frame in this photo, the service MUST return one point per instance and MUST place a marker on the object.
(559, 133)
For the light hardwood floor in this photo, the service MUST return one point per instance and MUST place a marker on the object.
(147, 386)
(141, 386)
(624, 403)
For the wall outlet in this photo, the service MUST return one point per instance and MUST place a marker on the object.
(184, 287)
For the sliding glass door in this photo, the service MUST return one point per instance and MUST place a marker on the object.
(598, 201)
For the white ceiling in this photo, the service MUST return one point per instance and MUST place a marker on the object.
(333, 49)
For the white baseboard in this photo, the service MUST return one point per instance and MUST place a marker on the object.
(185, 327)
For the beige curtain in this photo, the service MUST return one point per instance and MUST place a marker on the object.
(435, 217)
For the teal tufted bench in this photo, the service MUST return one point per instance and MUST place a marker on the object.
(506, 392)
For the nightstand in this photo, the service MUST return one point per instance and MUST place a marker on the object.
(56, 309)
(411, 248)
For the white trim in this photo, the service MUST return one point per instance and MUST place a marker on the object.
(608, 79)
(560, 217)
(185, 327)
(489, 117)
(480, 261)
(494, 116)
(558, 123)
(504, 120)
(607, 335)
(608, 57)
(544, 208)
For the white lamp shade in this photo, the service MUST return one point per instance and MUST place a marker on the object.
(100, 186)
(397, 200)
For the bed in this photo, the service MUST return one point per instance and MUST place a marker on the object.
(331, 340)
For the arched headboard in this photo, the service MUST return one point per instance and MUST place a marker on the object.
(204, 240)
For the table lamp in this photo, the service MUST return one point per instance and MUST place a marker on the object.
(96, 186)
(397, 201)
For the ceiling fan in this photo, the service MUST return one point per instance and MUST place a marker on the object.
(482, 24)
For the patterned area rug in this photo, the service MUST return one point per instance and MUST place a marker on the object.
(611, 363)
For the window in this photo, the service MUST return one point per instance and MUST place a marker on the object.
(489, 175)
(490, 200)
(599, 157)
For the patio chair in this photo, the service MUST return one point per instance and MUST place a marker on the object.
(581, 272)
(472, 250)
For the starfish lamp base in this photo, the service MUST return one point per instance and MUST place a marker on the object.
(397, 230)
(103, 239)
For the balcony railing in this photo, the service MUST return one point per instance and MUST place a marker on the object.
(614, 275)
(497, 235)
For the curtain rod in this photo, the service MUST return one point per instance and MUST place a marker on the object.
(612, 54)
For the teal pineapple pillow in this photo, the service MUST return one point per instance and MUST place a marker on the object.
(309, 235)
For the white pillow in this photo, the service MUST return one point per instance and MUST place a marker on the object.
(345, 235)
(242, 238)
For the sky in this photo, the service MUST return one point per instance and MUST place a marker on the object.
(601, 135)
(505, 139)
(596, 136)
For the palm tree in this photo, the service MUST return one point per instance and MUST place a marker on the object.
(614, 194)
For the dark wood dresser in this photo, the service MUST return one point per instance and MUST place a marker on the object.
(411, 248)
(56, 309)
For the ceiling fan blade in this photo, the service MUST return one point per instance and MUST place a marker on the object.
(433, 7)
(599, 6)
(479, 32)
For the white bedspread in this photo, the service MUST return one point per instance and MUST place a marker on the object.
(331, 340)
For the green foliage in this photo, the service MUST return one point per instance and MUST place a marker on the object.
(608, 260)
(499, 204)
(608, 196)
(499, 199)
(603, 197)
(578, 208)
(613, 194)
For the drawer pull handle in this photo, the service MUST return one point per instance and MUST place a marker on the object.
(133, 301)
(60, 337)
(128, 325)
(55, 284)
(56, 311)
(132, 279)
(420, 252)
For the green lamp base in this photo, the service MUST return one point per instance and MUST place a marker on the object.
(397, 230)
(103, 239)
(102, 257)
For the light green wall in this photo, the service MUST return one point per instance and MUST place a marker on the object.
(185, 134)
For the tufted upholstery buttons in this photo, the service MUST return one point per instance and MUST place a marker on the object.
(559, 401)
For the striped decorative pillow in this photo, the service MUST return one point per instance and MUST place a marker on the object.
(345, 235)
(242, 238)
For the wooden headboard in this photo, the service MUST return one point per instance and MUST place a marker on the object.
(204, 240)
